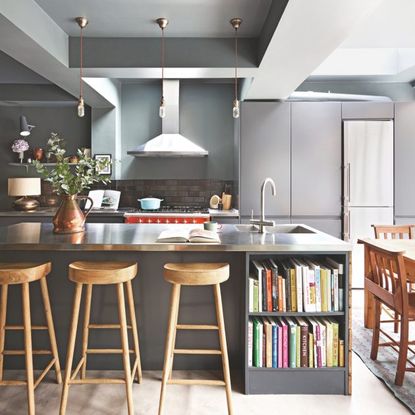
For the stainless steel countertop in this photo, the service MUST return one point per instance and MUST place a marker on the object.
(134, 237)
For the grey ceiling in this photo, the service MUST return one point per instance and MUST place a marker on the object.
(193, 18)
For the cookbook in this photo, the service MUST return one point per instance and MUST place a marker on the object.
(188, 235)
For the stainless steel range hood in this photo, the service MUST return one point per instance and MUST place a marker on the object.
(170, 143)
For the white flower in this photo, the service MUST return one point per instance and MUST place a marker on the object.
(20, 145)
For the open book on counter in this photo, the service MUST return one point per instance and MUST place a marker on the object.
(195, 235)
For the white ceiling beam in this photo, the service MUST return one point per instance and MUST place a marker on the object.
(308, 32)
(31, 37)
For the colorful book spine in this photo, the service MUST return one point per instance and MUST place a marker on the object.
(318, 287)
(285, 352)
(279, 338)
(257, 335)
(335, 326)
(250, 342)
(341, 353)
(274, 345)
(311, 350)
(293, 290)
(298, 346)
(255, 296)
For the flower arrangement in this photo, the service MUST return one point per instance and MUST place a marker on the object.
(55, 146)
(67, 179)
(20, 145)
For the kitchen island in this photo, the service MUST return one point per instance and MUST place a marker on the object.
(100, 242)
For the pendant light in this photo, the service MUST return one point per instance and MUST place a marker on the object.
(162, 22)
(236, 23)
(82, 22)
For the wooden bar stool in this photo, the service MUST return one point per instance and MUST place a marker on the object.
(102, 273)
(195, 274)
(23, 274)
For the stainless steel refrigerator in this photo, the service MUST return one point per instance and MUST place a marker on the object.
(367, 184)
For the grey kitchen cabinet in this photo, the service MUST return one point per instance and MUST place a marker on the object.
(265, 152)
(332, 226)
(400, 220)
(404, 159)
(367, 110)
(316, 159)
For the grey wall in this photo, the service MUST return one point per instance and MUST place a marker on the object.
(63, 120)
(205, 118)
(397, 91)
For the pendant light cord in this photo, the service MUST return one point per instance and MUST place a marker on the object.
(162, 64)
(236, 63)
(81, 92)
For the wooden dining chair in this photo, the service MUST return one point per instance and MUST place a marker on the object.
(393, 232)
(388, 284)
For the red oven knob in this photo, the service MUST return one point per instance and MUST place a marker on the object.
(167, 221)
(140, 220)
(194, 221)
(158, 220)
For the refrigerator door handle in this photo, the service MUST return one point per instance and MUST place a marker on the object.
(346, 224)
(348, 182)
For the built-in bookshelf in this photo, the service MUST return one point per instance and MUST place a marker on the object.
(305, 370)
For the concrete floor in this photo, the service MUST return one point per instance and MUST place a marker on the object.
(370, 396)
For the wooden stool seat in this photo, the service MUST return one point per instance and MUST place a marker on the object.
(198, 273)
(19, 273)
(195, 274)
(102, 273)
(23, 274)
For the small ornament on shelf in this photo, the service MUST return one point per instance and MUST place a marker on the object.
(20, 146)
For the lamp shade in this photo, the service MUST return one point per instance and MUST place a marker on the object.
(25, 128)
(24, 186)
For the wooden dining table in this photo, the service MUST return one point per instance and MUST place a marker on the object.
(407, 247)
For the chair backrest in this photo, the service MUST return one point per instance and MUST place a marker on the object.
(387, 280)
(393, 231)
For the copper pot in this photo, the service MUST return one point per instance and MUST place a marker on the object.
(69, 218)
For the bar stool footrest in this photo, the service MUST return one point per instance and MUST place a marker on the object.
(197, 327)
(106, 351)
(197, 351)
(206, 382)
(96, 381)
(22, 352)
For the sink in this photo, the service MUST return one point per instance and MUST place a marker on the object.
(287, 229)
(274, 229)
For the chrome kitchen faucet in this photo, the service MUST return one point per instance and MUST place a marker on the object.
(262, 222)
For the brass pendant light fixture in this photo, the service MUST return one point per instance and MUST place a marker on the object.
(82, 22)
(162, 22)
(236, 23)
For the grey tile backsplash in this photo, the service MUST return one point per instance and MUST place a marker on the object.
(174, 192)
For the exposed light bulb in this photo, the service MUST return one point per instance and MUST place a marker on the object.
(162, 109)
(235, 109)
(81, 107)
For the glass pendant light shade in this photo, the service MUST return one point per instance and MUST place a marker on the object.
(235, 109)
(162, 109)
(81, 107)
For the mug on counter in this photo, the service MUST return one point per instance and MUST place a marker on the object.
(212, 226)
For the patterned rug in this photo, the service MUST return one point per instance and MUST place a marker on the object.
(385, 366)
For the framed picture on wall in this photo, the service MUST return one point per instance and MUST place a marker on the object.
(107, 170)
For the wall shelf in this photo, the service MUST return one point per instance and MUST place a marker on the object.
(295, 314)
(27, 165)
